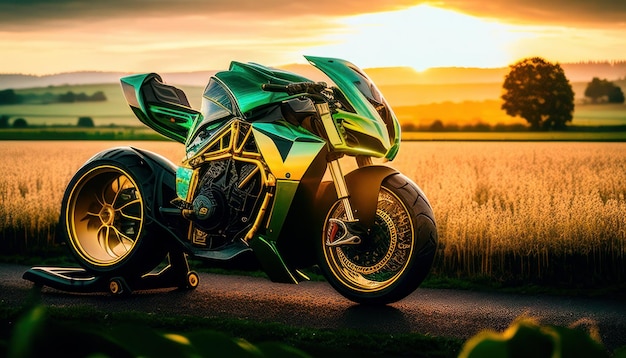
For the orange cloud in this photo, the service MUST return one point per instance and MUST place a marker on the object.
(575, 13)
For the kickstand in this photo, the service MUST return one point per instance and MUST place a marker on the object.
(74, 279)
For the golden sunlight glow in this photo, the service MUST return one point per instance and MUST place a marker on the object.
(422, 37)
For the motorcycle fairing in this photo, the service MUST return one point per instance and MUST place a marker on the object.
(373, 114)
(161, 107)
(237, 93)
(244, 81)
(272, 262)
(372, 130)
(287, 150)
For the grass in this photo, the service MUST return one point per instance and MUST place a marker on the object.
(114, 110)
(419, 105)
(314, 342)
(35, 330)
(604, 136)
(119, 133)
(489, 112)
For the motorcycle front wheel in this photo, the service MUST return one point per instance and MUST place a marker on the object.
(105, 217)
(395, 255)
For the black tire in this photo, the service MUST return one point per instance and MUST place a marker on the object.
(396, 255)
(106, 216)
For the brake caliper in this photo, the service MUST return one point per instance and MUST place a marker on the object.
(343, 233)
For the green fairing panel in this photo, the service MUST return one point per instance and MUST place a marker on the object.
(244, 81)
(130, 87)
(272, 262)
(283, 198)
(369, 145)
(360, 91)
(161, 107)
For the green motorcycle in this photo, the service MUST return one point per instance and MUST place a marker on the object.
(261, 180)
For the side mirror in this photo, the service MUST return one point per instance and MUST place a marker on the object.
(161, 107)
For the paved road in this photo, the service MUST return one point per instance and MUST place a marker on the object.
(437, 312)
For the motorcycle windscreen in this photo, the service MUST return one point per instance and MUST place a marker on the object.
(362, 94)
(217, 108)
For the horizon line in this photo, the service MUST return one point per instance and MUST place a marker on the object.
(612, 62)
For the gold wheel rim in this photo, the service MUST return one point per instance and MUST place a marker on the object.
(104, 215)
(374, 268)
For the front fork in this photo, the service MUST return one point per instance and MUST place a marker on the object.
(342, 232)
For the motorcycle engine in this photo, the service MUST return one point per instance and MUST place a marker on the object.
(225, 201)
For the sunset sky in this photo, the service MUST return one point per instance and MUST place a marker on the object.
(46, 37)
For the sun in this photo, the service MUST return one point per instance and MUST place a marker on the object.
(421, 37)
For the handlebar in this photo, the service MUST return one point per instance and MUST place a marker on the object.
(296, 88)
(270, 87)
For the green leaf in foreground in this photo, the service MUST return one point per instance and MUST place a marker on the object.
(527, 338)
(38, 334)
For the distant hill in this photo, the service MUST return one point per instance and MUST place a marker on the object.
(388, 76)
(19, 81)
(438, 76)
(577, 72)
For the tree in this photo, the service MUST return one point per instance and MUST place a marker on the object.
(67, 97)
(20, 123)
(436, 126)
(98, 96)
(616, 95)
(4, 121)
(8, 96)
(539, 92)
(597, 88)
(600, 90)
(85, 122)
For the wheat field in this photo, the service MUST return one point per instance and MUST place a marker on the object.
(550, 211)
(33, 177)
(545, 212)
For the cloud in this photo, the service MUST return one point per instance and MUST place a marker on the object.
(22, 14)
(173, 35)
(574, 13)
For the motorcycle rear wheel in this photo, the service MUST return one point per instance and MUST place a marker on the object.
(394, 257)
(105, 217)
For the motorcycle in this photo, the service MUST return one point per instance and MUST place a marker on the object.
(261, 179)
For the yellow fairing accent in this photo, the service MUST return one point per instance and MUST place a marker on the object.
(295, 163)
